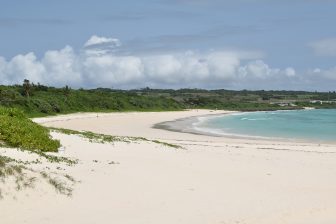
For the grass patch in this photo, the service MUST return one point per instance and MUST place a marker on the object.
(16, 130)
(166, 144)
(60, 186)
(67, 176)
(8, 168)
(102, 138)
(24, 177)
(56, 159)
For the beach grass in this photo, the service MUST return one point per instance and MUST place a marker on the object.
(17, 131)
(103, 138)
(19, 175)
(60, 186)
(10, 169)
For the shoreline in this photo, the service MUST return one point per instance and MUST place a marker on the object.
(209, 180)
(145, 128)
(188, 125)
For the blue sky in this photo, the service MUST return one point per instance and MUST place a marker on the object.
(253, 44)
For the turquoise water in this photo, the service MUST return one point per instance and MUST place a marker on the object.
(300, 124)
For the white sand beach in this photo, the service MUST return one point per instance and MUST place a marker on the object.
(211, 180)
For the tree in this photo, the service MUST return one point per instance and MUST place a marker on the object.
(26, 87)
(66, 91)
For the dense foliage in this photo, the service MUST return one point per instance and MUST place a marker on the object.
(44, 100)
(19, 131)
(40, 100)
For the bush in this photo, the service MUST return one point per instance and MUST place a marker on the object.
(43, 106)
(18, 131)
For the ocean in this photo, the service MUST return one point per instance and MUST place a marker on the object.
(319, 125)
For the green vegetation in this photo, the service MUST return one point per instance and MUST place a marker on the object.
(60, 186)
(17, 130)
(8, 169)
(56, 159)
(244, 100)
(39, 100)
(24, 177)
(102, 138)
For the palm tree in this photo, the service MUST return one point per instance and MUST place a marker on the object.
(66, 92)
(26, 87)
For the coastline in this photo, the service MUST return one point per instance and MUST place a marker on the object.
(210, 180)
(189, 125)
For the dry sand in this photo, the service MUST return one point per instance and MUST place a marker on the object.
(212, 180)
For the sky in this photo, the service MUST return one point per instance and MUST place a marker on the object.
(212, 44)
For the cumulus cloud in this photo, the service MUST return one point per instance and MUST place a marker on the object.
(325, 47)
(329, 74)
(290, 72)
(20, 66)
(61, 67)
(98, 64)
(96, 40)
(101, 45)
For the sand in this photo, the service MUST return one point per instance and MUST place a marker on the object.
(211, 180)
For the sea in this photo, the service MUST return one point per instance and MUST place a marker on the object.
(316, 125)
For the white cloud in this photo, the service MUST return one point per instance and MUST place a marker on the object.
(111, 71)
(97, 46)
(290, 72)
(21, 67)
(259, 75)
(257, 69)
(96, 40)
(329, 74)
(214, 69)
(190, 68)
(325, 47)
(223, 66)
(61, 67)
(164, 68)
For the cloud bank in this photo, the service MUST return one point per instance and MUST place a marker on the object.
(98, 64)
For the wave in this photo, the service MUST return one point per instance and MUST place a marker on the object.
(318, 125)
(255, 119)
(220, 132)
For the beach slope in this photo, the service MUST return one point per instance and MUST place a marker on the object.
(209, 180)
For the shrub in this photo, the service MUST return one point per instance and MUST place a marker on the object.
(18, 131)
(43, 106)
